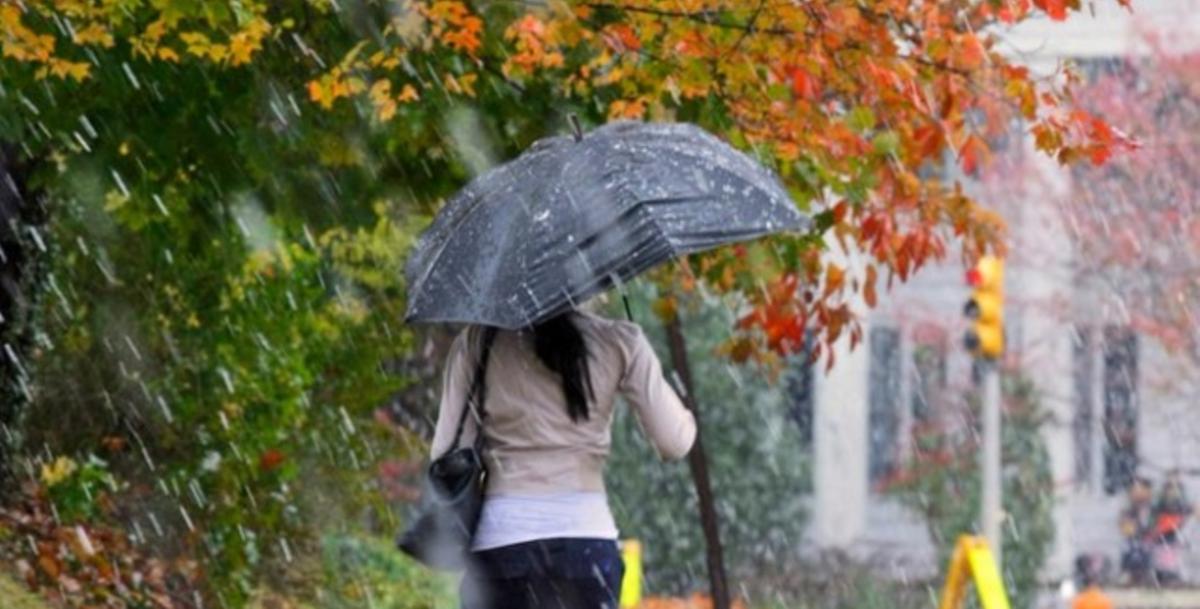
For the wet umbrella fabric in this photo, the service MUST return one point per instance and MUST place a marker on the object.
(570, 216)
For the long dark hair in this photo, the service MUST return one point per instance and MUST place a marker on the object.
(561, 347)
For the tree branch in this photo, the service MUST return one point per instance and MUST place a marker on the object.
(704, 17)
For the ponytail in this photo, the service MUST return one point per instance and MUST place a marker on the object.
(560, 346)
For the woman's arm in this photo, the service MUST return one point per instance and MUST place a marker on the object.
(667, 423)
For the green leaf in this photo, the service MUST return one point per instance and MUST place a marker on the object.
(861, 119)
(886, 142)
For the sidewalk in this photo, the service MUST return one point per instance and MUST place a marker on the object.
(1149, 598)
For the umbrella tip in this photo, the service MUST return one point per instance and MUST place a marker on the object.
(576, 128)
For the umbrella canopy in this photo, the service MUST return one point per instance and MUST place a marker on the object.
(570, 217)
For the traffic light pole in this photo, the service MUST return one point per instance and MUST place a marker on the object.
(992, 510)
(985, 339)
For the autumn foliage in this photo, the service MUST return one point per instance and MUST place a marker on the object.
(1135, 222)
(852, 102)
(231, 188)
(91, 566)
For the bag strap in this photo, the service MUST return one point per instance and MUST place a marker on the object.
(477, 394)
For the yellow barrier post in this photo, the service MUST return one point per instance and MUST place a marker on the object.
(988, 582)
(973, 556)
(956, 578)
(631, 583)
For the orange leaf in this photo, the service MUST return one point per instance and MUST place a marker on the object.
(928, 140)
(1056, 9)
(869, 294)
(804, 86)
(621, 38)
(973, 154)
(970, 51)
(49, 564)
(835, 277)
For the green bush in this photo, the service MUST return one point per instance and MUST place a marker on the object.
(73, 487)
(368, 572)
(947, 491)
(757, 461)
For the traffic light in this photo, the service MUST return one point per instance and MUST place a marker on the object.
(985, 338)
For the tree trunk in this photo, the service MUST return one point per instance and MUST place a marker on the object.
(698, 463)
(22, 270)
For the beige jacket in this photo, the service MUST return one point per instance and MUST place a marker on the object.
(533, 446)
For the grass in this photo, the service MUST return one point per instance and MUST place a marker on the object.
(14, 596)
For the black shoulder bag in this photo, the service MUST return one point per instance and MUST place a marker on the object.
(440, 535)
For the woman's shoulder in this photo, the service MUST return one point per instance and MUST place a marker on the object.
(594, 321)
(620, 332)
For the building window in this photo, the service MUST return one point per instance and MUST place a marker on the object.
(928, 374)
(799, 384)
(884, 400)
(1120, 408)
(1084, 419)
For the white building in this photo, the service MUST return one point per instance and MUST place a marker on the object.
(1094, 374)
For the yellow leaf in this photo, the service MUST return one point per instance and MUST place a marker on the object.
(218, 52)
(835, 277)
(78, 70)
(10, 17)
(197, 43)
(381, 98)
(319, 92)
(241, 48)
(245, 43)
(156, 29)
(352, 54)
(381, 88)
(408, 93)
(467, 81)
(114, 200)
(94, 33)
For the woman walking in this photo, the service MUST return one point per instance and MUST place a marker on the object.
(546, 537)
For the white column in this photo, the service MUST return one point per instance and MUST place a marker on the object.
(1039, 287)
(840, 447)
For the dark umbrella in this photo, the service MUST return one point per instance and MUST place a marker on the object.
(571, 216)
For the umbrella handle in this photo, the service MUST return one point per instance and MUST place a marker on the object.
(628, 311)
(576, 128)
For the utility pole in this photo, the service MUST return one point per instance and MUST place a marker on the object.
(990, 508)
(985, 339)
(698, 463)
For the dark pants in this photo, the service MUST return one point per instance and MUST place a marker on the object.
(545, 574)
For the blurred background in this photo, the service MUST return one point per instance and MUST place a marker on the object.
(210, 398)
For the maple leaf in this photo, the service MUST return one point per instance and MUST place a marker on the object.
(973, 153)
(971, 53)
(381, 98)
(928, 140)
(869, 294)
(1056, 9)
(835, 277)
(408, 93)
(621, 38)
(804, 86)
